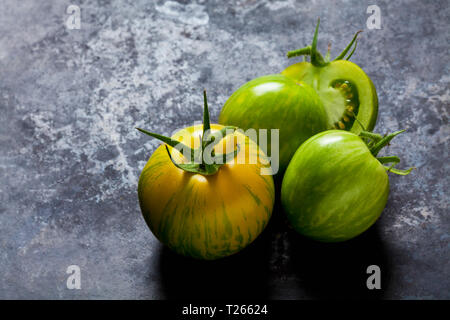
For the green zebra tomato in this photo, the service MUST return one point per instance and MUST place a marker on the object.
(344, 88)
(277, 102)
(335, 187)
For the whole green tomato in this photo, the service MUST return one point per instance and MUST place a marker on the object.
(335, 187)
(276, 102)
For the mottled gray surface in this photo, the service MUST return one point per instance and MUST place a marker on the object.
(70, 158)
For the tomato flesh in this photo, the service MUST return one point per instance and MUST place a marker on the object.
(345, 91)
(334, 188)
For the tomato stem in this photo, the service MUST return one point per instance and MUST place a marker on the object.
(316, 57)
(375, 142)
(171, 142)
(348, 47)
(306, 51)
(327, 56)
(197, 162)
(399, 171)
(206, 123)
(384, 142)
(351, 53)
(374, 136)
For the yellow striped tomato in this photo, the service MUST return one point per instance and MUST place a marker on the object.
(206, 215)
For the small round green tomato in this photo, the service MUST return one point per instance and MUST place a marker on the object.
(277, 102)
(334, 188)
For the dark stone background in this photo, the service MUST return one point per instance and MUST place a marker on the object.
(70, 157)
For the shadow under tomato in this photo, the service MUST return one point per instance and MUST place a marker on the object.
(339, 270)
(242, 275)
(280, 264)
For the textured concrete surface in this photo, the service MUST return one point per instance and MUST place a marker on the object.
(70, 157)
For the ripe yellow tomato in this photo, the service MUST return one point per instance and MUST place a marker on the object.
(207, 216)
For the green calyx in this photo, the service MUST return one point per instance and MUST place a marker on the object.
(203, 159)
(316, 57)
(375, 142)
